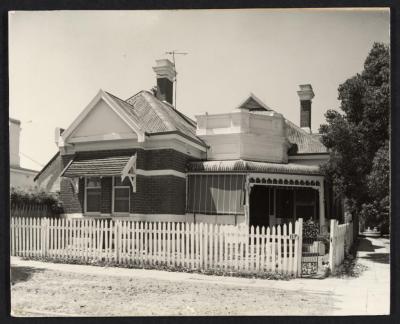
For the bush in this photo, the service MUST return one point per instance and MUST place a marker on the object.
(310, 230)
(20, 197)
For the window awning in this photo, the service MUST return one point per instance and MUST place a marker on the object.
(105, 166)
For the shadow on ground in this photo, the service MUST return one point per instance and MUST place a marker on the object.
(365, 245)
(377, 257)
(21, 274)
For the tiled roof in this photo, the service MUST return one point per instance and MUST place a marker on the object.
(252, 166)
(86, 166)
(306, 143)
(157, 117)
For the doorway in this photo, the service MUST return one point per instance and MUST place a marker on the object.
(259, 206)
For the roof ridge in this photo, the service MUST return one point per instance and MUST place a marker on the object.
(131, 110)
(140, 91)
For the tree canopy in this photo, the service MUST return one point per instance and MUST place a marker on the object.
(358, 139)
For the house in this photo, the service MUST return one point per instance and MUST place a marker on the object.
(142, 159)
(20, 177)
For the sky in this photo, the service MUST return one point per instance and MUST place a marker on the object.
(58, 61)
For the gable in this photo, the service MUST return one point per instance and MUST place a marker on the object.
(252, 103)
(101, 123)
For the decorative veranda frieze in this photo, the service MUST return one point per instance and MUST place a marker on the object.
(285, 180)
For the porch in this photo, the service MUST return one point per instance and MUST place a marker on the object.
(256, 193)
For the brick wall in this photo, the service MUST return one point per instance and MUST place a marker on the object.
(72, 202)
(155, 194)
(146, 159)
(159, 195)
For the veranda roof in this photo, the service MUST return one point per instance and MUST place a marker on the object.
(252, 166)
(104, 166)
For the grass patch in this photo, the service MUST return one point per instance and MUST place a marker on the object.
(170, 268)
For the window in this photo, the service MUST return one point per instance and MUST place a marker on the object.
(121, 194)
(93, 194)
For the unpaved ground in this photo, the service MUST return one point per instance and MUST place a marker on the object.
(43, 292)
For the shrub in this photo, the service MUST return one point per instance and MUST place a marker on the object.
(310, 230)
(20, 197)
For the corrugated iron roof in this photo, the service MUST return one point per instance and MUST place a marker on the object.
(306, 143)
(86, 166)
(252, 166)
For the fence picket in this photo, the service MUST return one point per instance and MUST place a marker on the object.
(297, 249)
(279, 248)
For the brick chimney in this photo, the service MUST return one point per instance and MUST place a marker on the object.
(165, 72)
(305, 93)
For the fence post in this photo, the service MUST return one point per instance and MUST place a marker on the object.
(300, 245)
(332, 245)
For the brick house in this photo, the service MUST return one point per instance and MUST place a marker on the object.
(141, 159)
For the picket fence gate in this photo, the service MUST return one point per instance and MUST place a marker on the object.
(341, 240)
(194, 246)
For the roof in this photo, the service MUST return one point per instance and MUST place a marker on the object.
(104, 166)
(306, 143)
(157, 117)
(252, 103)
(252, 166)
(16, 167)
(53, 159)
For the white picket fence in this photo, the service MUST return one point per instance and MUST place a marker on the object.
(194, 246)
(341, 240)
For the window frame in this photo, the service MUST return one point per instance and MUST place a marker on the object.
(86, 196)
(113, 196)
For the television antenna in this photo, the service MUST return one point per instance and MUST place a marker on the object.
(173, 53)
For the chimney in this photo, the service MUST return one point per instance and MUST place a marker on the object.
(305, 93)
(165, 72)
(15, 130)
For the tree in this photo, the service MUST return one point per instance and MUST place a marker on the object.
(358, 139)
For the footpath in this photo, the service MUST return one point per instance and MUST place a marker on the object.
(368, 294)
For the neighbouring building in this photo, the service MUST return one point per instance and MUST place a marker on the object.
(21, 178)
(142, 159)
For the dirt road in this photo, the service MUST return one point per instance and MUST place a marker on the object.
(42, 292)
